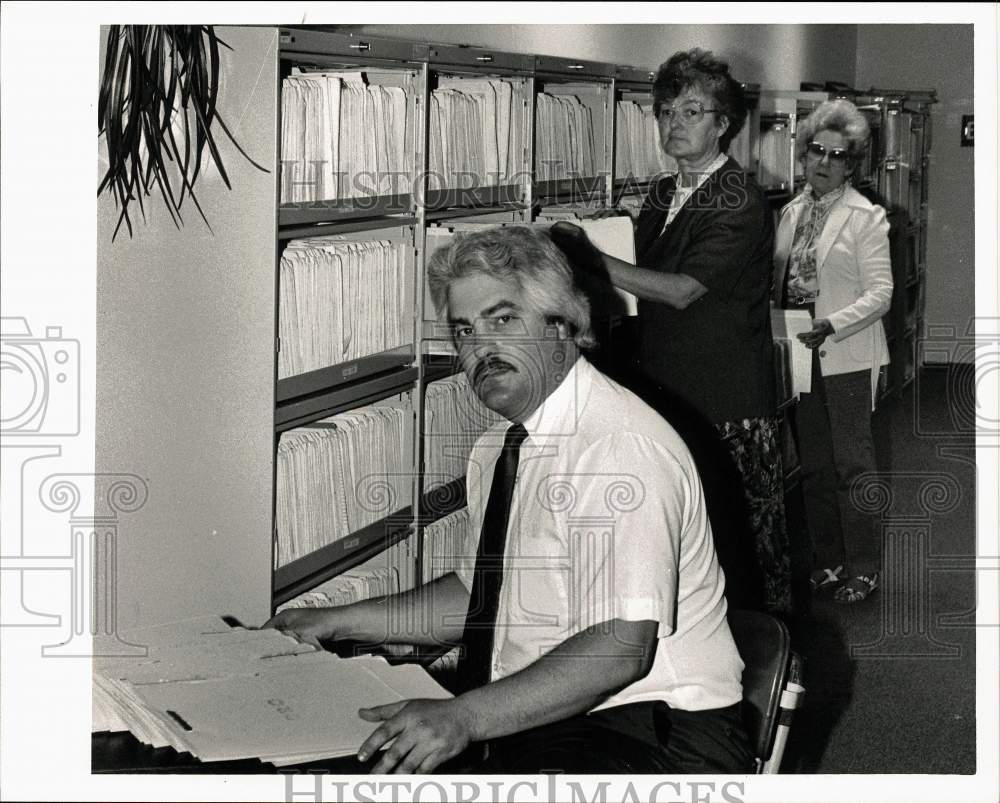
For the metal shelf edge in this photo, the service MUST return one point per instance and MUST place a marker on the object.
(343, 374)
(328, 561)
(303, 410)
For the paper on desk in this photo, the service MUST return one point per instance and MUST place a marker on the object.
(282, 716)
(615, 237)
(199, 648)
(787, 324)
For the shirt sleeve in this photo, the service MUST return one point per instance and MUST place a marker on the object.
(726, 234)
(874, 277)
(631, 508)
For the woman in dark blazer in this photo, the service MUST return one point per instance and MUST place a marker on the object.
(704, 244)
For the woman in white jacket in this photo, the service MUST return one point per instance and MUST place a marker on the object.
(832, 259)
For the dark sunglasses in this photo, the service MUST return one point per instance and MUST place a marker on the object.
(820, 150)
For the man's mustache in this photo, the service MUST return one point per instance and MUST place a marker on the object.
(489, 365)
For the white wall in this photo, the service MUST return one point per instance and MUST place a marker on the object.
(775, 56)
(938, 57)
(185, 371)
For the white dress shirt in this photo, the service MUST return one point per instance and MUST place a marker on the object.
(608, 521)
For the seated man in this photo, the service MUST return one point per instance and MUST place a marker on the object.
(591, 608)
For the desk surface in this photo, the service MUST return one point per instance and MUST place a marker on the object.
(123, 753)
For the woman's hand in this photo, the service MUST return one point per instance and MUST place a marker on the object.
(310, 625)
(424, 733)
(821, 330)
(575, 244)
(601, 214)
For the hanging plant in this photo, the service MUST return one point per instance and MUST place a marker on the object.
(157, 108)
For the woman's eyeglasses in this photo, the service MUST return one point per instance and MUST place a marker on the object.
(819, 150)
(690, 112)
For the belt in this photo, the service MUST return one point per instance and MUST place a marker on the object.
(801, 303)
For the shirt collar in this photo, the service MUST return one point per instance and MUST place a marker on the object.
(557, 416)
(704, 175)
(824, 201)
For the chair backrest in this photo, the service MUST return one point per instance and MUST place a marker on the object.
(765, 647)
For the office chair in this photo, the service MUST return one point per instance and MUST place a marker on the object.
(772, 684)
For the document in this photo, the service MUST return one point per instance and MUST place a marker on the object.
(242, 693)
(785, 325)
(286, 716)
(615, 237)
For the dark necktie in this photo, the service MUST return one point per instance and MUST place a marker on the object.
(477, 639)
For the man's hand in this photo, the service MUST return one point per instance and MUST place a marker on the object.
(307, 624)
(425, 733)
(822, 329)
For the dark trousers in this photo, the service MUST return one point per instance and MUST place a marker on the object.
(834, 433)
(647, 737)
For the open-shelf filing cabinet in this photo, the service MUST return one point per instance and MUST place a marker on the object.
(900, 159)
(306, 335)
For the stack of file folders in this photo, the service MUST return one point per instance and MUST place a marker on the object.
(344, 138)
(631, 204)
(476, 130)
(223, 693)
(340, 300)
(454, 420)
(775, 144)
(638, 151)
(564, 138)
(339, 475)
(446, 545)
(447, 549)
(348, 588)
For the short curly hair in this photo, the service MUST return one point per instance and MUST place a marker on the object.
(700, 69)
(841, 116)
(524, 256)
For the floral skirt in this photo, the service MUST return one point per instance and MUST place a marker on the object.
(755, 448)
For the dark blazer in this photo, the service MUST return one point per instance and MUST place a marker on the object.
(717, 354)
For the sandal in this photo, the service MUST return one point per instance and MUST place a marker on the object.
(824, 577)
(857, 588)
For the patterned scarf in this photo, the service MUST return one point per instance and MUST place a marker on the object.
(801, 281)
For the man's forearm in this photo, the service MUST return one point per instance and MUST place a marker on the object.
(571, 679)
(429, 615)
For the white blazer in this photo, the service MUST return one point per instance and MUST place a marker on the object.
(855, 281)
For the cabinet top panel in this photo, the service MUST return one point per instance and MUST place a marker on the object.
(351, 47)
(479, 58)
(574, 68)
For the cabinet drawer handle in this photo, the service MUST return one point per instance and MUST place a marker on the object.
(362, 46)
(486, 59)
(574, 66)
